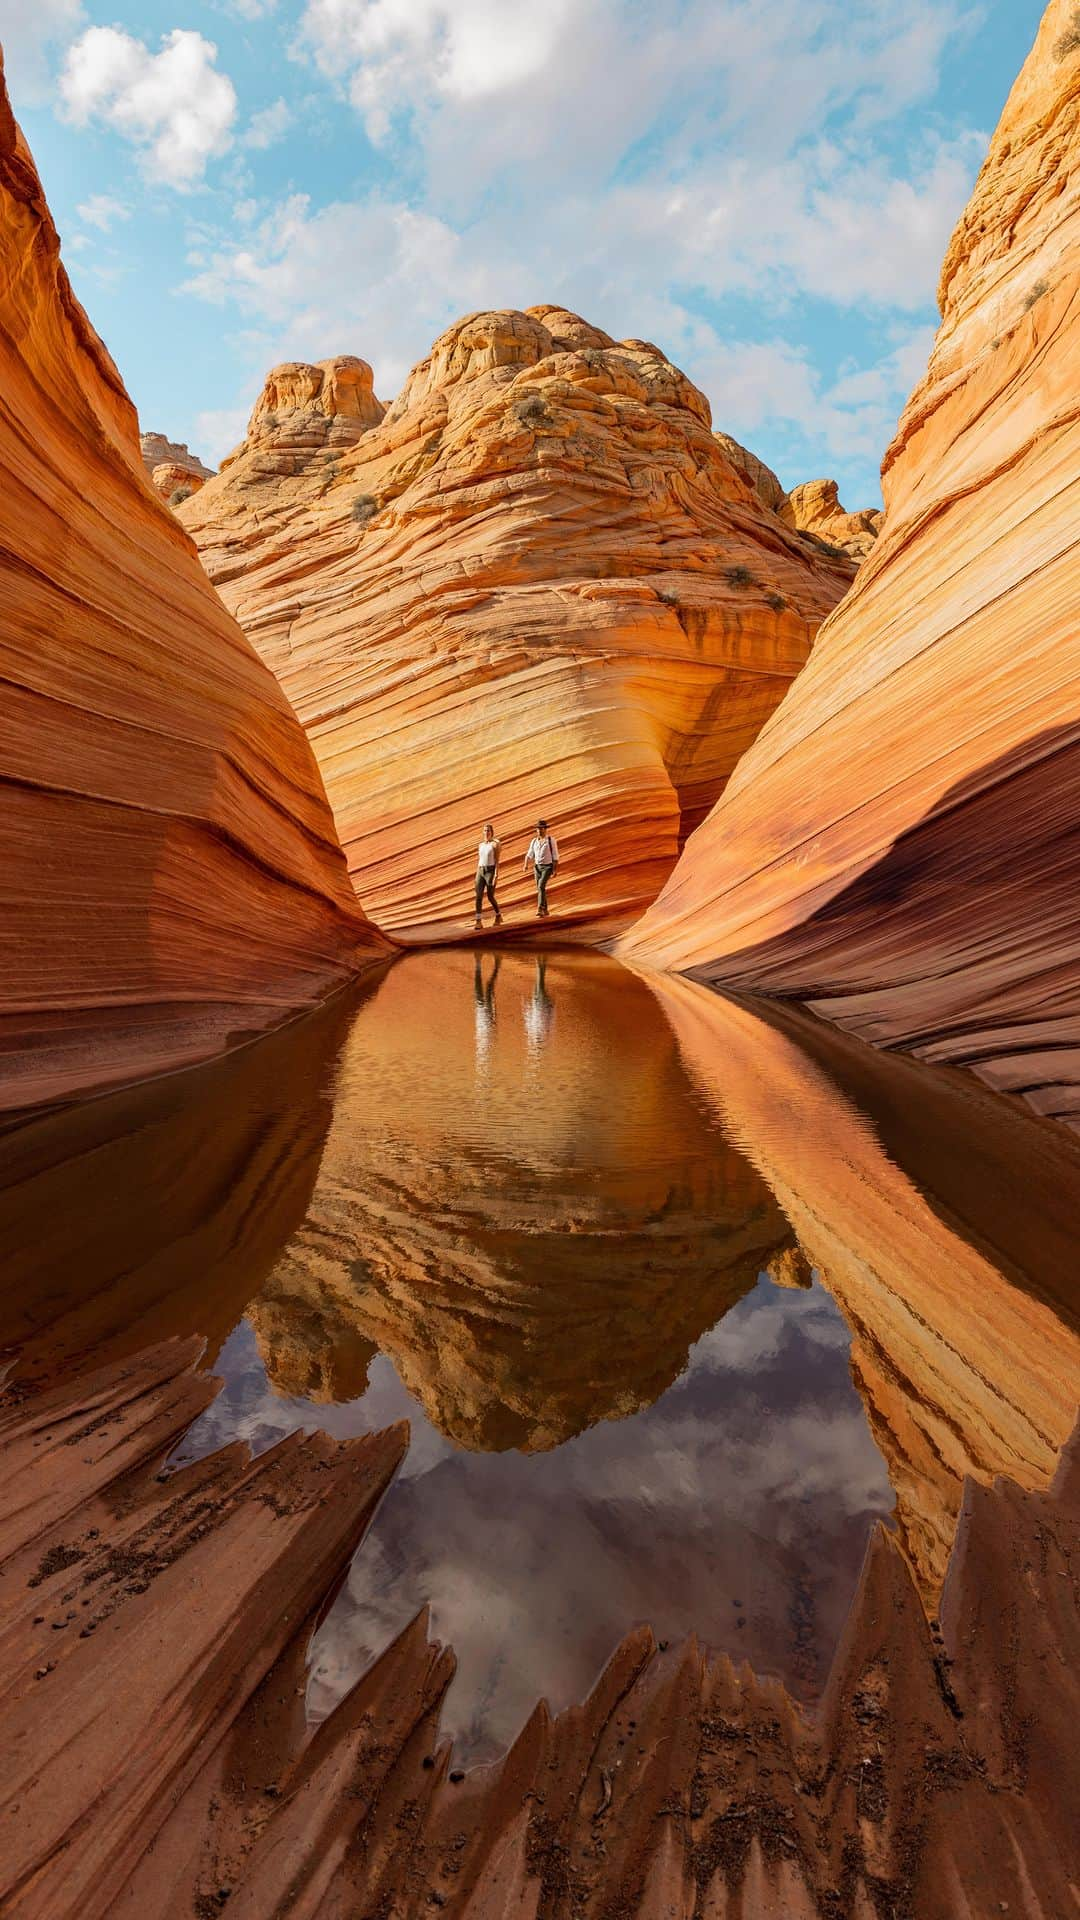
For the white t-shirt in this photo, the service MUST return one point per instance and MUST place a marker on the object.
(487, 853)
(543, 850)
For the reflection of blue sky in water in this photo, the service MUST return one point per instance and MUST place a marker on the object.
(738, 1506)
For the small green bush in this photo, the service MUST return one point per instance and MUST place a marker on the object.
(738, 576)
(776, 601)
(180, 494)
(363, 507)
(1035, 293)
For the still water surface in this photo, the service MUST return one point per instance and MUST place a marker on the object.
(678, 1297)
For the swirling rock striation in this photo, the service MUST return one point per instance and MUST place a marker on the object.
(534, 585)
(901, 845)
(172, 876)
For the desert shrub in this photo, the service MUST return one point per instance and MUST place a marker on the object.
(738, 576)
(180, 494)
(1035, 293)
(363, 507)
(531, 411)
(776, 601)
(1070, 39)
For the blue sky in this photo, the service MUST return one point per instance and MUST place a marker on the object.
(763, 187)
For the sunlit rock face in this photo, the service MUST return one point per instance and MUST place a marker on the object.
(902, 843)
(943, 1221)
(535, 586)
(160, 1210)
(814, 508)
(171, 874)
(529, 1285)
(158, 451)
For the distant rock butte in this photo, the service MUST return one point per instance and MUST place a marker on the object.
(173, 483)
(900, 846)
(158, 452)
(534, 585)
(172, 878)
(812, 508)
(815, 508)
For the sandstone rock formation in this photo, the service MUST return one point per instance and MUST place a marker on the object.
(535, 585)
(173, 483)
(941, 1217)
(900, 846)
(157, 451)
(172, 877)
(516, 1312)
(814, 507)
(156, 1760)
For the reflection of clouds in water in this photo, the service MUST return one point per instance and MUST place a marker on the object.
(753, 1479)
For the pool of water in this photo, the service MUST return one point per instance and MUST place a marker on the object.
(680, 1298)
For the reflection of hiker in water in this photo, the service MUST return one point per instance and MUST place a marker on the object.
(543, 854)
(487, 872)
(485, 1007)
(539, 1010)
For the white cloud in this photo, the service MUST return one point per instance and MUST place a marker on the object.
(29, 30)
(101, 210)
(268, 125)
(219, 430)
(174, 106)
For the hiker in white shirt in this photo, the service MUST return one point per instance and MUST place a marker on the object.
(543, 854)
(487, 872)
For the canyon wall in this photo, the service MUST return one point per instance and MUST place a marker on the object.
(901, 846)
(172, 876)
(943, 1221)
(536, 585)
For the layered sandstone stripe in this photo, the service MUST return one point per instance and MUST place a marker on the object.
(941, 1217)
(902, 844)
(536, 585)
(171, 875)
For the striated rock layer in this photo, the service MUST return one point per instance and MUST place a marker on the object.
(158, 451)
(814, 507)
(941, 1218)
(156, 1759)
(171, 875)
(536, 585)
(902, 844)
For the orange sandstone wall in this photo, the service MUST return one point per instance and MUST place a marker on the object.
(535, 585)
(171, 878)
(902, 844)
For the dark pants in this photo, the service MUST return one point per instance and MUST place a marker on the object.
(543, 875)
(485, 883)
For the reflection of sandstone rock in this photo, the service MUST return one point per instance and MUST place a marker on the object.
(535, 1262)
(942, 1219)
(171, 875)
(536, 584)
(901, 843)
(157, 452)
(160, 1209)
(814, 507)
(790, 1268)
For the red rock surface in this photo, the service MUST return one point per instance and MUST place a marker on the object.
(814, 507)
(173, 482)
(171, 875)
(900, 846)
(535, 586)
(942, 1219)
